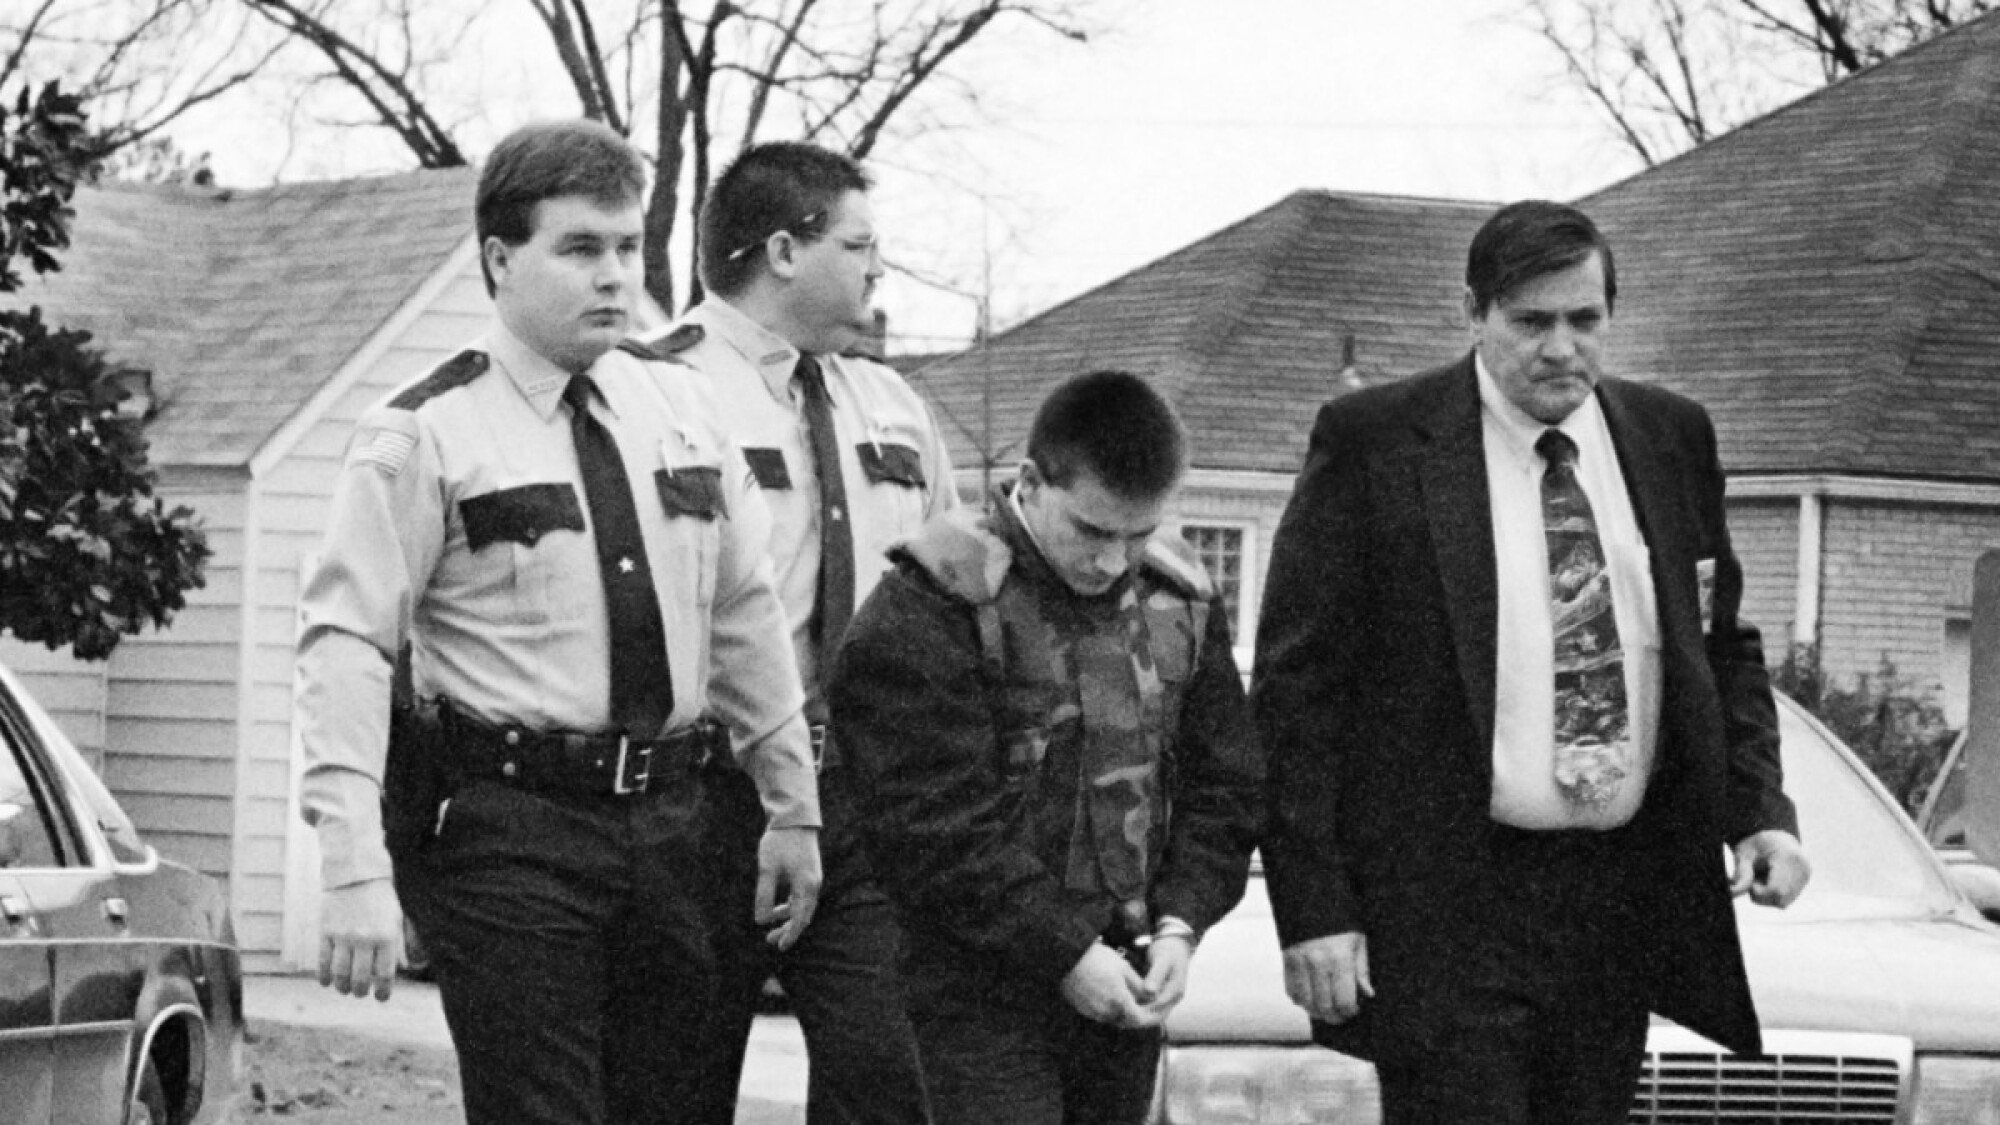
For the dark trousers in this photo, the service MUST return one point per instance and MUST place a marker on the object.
(569, 946)
(992, 1054)
(841, 978)
(1546, 1030)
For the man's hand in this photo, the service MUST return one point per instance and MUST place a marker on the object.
(1167, 960)
(787, 859)
(1104, 988)
(1328, 976)
(361, 938)
(1772, 867)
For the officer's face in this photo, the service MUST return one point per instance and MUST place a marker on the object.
(1544, 341)
(833, 278)
(1089, 534)
(567, 291)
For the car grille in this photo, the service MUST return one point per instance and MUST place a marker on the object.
(1790, 1087)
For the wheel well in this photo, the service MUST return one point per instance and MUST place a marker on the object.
(175, 1050)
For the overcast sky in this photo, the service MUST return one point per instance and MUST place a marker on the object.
(1186, 116)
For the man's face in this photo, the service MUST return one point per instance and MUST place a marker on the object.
(1544, 341)
(567, 291)
(833, 278)
(1089, 534)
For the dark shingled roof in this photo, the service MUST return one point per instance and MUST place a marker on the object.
(1245, 330)
(243, 303)
(1826, 279)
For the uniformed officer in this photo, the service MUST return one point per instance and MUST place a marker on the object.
(1061, 784)
(565, 537)
(849, 462)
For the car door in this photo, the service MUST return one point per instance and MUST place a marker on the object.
(74, 894)
(27, 1006)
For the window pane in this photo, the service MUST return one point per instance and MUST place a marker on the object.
(25, 840)
(1221, 551)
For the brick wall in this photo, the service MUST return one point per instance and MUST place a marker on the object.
(1893, 576)
(1765, 534)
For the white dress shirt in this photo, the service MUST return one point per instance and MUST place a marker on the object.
(1524, 788)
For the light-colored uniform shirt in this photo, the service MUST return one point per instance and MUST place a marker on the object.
(881, 421)
(1524, 787)
(515, 632)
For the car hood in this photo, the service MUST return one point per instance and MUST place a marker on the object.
(1935, 979)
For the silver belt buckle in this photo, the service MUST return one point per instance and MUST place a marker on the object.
(638, 783)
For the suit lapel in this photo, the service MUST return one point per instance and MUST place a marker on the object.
(1451, 466)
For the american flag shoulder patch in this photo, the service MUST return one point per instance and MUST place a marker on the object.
(387, 451)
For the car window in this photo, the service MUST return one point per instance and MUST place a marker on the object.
(1866, 857)
(25, 836)
(96, 801)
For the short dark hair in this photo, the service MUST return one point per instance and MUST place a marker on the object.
(549, 160)
(778, 186)
(1114, 426)
(1527, 240)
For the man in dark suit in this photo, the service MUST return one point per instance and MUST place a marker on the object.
(1513, 720)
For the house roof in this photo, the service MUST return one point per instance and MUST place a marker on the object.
(1247, 331)
(1826, 279)
(243, 303)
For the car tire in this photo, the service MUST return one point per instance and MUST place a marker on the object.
(149, 1099)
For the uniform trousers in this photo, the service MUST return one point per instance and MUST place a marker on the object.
(996, 1050)
(840, 979)
(1546, 1028)
(568, 942)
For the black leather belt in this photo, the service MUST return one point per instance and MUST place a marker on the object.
(605, 765)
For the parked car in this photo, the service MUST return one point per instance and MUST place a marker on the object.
(1879, 991)
(121, 991)
(1946, 822)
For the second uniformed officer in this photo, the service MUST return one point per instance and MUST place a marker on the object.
(1061, 785)
(563, 535)
(849, 463)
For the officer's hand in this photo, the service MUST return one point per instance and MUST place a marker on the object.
(361, 938)
(787, 859)
(1167, 961)
(1328, 976)
(1104, 988)
(1772, 867)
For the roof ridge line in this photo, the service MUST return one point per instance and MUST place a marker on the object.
(1799, 102)
(1199, 341)
(1929, 183)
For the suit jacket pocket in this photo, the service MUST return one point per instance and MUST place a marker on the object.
(520, 515)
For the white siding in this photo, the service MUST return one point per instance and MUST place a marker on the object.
(170, 712)
(70, 690)
(292, 499)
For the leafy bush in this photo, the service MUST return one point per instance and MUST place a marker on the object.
(87, 552)
(1892, 724)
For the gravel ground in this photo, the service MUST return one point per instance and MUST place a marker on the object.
(327, 1077)
(336, 1078)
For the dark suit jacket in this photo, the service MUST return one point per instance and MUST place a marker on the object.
(1375, 699)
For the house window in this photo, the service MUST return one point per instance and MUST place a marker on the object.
(1221, 548)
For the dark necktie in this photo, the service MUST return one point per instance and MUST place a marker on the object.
(835, 602)
(642, 690)
(1593, 740)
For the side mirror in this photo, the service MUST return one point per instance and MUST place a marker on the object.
(1979, 882)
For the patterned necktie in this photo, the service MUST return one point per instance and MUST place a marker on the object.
(1593, 744)
(642, 689)
(835, 601)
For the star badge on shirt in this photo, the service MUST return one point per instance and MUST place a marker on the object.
(624, 566)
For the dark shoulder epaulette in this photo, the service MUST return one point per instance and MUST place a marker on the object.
(1169, 559)
(453, 373)
(680, 339)
(644, 351)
